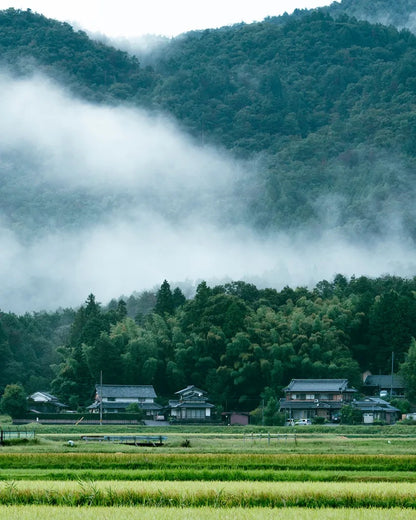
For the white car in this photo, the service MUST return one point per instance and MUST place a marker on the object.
(303, 422)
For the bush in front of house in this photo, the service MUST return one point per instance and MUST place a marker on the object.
(318, 420)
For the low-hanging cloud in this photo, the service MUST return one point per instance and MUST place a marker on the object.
(82, 144)
(180, 210)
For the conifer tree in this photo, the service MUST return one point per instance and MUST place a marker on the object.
(164, 300)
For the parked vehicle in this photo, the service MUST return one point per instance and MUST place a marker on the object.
(303, 422)
(290, 422)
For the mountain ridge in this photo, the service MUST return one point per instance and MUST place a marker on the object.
(295, 93)
(295, 136)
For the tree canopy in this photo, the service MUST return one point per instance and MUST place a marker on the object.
(240, 343)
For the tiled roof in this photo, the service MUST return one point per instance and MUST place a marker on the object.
(317, 385)
(384, 381)
(126, 391)
(48, 396)
(191, 388)
(374, 404)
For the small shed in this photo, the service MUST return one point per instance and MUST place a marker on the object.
(236, 418)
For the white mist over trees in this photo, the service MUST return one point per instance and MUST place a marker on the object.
(174, 207)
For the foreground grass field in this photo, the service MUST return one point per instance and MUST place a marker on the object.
(209, 494)
(338, 473)
(200, 513)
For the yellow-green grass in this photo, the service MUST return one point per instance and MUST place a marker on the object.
(129, 513)
(204, 474)
(212, 494)
(197, 461)
(209, 467)
(201, 513)
(237, 443)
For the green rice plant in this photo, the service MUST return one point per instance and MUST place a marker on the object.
(207, 474)
(210, 494)
(229, 462)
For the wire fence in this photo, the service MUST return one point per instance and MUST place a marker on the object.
(270, 437)
(23, 433)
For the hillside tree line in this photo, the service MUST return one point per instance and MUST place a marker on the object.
(238, 342)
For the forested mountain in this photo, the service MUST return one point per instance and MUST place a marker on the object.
(329, 104)
(326, 106)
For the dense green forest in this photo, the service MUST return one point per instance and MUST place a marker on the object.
(325, 106)
(238, 342)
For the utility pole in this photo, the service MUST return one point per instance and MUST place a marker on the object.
(101, 398)
(392, 370)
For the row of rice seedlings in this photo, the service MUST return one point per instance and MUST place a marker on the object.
(209, 461)
(210, 494)
(204, 474)
(201, 513)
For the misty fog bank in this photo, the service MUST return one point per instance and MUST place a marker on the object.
(179, 209)
(125, 256)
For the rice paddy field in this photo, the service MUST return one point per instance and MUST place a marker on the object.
(333, 473)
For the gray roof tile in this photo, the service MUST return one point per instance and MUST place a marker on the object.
(127, 391)
(317, 385)
(384, 381)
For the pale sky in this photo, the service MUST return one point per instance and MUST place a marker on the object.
(134, 18)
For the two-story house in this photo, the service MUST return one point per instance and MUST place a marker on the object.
(309, 398)
(116, 398)
(192, 405)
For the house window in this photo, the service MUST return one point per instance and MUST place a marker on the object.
(111, 398)
(196, 413)
(310, 396)
(299, 397)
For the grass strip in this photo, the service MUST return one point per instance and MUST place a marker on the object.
(206, 474)
(202, 513)
(209, 494)
(165, 461)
